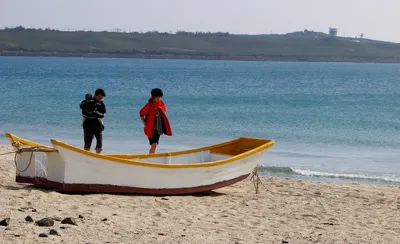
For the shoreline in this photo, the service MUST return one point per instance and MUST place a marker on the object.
(259, 58)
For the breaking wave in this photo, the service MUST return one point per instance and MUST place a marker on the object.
(391, 179)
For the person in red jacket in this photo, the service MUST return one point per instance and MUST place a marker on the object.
(154, 119)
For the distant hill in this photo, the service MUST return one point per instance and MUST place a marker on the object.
(301, 46)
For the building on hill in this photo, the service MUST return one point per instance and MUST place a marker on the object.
(333, 31)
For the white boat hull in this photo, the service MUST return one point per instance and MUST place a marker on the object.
(83, 173)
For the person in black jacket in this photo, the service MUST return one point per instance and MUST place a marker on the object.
(94, 111)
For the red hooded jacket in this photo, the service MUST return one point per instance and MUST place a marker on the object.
(149, 111)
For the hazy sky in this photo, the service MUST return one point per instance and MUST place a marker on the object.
(376, 19)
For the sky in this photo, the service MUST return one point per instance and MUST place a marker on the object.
(375, 19)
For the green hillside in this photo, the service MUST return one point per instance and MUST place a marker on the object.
(301, 45)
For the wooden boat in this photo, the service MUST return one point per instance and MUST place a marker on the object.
(71, 169)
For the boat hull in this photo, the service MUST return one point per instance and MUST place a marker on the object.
(101, 188)
(83, 173)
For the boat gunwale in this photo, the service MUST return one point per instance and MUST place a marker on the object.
(268, 143)
(125, 156)
(24, 142)
(140, 155)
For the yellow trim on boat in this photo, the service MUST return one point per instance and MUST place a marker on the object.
(265, 145)
(24, 141)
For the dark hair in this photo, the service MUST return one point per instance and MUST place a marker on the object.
(88, 96)
(156, 92)
(100, 92)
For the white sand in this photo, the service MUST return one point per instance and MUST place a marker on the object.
(293, 211)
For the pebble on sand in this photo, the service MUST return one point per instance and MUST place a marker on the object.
(5, 222)
(69, 221)
(45, 222)
(28, 219)
(53, 232)
(43, 235)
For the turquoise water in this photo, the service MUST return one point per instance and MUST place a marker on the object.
(331, 121)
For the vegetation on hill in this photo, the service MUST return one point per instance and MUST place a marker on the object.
(303, 45)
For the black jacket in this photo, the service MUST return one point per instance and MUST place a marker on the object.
(93, 110)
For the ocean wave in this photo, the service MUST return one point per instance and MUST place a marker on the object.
(276, 170)
(344, 176)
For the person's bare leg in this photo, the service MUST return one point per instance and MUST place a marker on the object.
(153, 148)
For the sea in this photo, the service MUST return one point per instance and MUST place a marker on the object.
(335, 122)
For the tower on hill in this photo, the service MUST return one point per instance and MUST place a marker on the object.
(333, 31)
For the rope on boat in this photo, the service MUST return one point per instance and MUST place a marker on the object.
(21, 150)
(256, 180)
(2, 154)
(16, 165)
(31, 150)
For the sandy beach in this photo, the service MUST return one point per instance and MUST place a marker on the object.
(288, 211)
